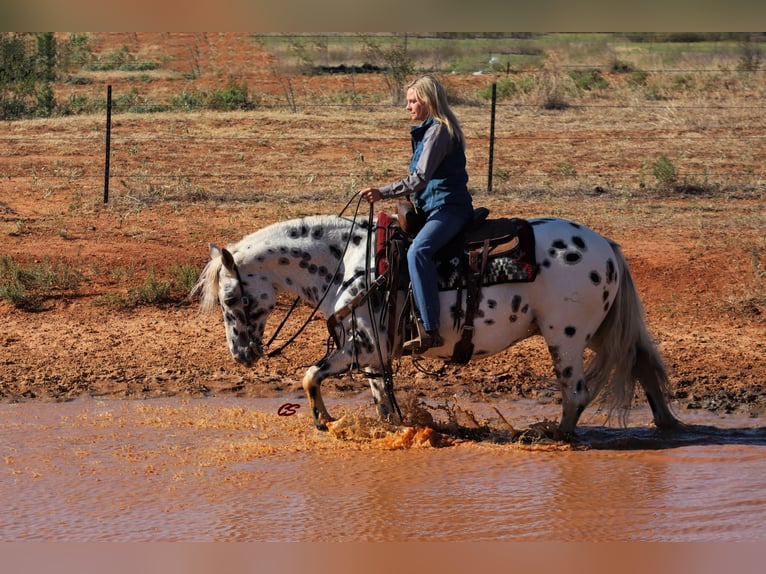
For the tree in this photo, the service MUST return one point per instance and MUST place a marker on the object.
(396, 61)
(17, 77)
(26, 73)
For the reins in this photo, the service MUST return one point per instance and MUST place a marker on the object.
(348, 309)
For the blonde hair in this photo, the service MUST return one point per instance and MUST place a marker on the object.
(431, 93)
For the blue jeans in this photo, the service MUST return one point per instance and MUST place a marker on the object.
(442, 225)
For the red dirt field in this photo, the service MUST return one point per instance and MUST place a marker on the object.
(696, 280)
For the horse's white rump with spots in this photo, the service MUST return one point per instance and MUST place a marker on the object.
(583, 297)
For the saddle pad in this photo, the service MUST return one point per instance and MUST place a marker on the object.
(516, 265)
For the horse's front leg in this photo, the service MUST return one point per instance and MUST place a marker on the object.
(381, 397)
(312, 382)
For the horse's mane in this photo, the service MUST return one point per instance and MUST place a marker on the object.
(207, 285)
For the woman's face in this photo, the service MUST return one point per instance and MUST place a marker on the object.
(417, 109)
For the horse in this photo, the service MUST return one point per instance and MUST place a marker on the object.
(583, 297)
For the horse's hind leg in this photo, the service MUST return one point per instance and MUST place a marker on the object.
(575, 396)
(650, 373)
(312, 381)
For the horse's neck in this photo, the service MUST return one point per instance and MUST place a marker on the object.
(304, 256)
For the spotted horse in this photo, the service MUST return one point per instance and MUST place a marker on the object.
(583, 297)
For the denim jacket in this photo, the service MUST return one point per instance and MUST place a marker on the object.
(438, 174)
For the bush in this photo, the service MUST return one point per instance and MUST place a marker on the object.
(20, 285)
(234, 97)
(665, 172)
(589, 80)
(638, 78)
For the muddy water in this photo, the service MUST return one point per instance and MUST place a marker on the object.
(234, 470)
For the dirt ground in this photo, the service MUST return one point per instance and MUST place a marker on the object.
(688, 271)
(70, 347)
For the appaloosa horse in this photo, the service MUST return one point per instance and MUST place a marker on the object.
(583, 296)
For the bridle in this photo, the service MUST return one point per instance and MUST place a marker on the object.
(254, 344)
(257, 345)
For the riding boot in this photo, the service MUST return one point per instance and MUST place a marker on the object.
(423, 342)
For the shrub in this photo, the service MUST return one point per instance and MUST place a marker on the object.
(233, 97)
(589, 80)
(638, 78)
(665, 172)
(20, 285)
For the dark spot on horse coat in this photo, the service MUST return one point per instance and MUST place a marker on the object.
(570, 331)
(284, 261)
(572, 257)
(336, 251)
(516, 303)
(317, 233)
(577, 240)
(611, 272)
(595, 278)
(491, 303)
(567, 372)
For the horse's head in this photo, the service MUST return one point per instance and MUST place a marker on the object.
(246, 298)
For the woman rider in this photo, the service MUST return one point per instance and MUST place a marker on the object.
(438, 183)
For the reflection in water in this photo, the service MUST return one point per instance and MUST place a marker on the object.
(230, 469)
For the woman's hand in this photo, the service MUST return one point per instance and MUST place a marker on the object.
(371, 194)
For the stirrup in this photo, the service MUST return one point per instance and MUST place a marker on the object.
(423, 342)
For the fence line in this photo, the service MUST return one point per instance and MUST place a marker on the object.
(130, 167)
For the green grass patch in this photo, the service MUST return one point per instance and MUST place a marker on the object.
(170, 286)
(26, 284)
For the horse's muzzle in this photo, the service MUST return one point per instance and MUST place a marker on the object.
(249, 354)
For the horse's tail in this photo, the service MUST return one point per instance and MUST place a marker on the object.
(207, 284)
(626, 354)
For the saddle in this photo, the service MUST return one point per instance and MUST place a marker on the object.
(487, 252)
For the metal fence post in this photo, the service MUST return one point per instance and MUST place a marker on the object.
(108, 141)
(492, 137)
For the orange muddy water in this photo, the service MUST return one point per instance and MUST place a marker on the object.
(232, 469)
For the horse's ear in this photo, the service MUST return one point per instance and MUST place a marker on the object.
(228, 260)
(214, 251)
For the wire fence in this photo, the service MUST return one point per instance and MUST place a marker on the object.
(320, 150)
